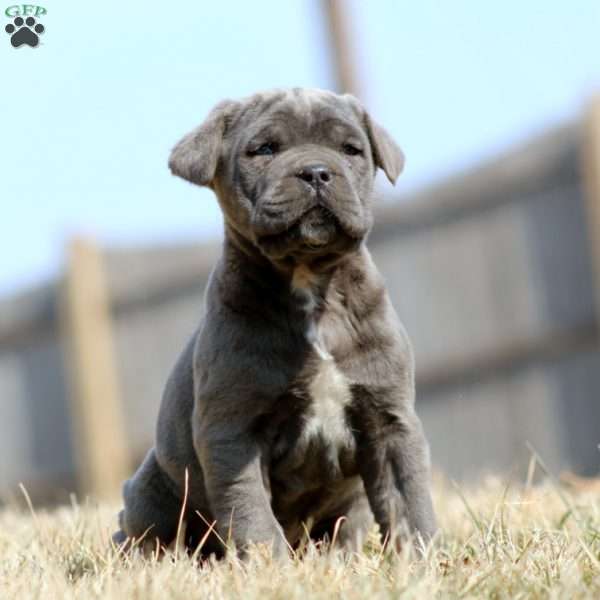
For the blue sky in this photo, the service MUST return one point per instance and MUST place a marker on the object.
(89, 117)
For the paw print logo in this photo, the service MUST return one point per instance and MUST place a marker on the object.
(24, 32)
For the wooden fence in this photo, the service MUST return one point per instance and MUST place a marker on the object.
(495, 274)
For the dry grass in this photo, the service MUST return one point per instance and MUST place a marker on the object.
(497, 542)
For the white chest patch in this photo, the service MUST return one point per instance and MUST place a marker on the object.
(330, 394)
(329, 389)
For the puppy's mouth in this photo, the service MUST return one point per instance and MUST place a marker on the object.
(314, 233)
(318, 227)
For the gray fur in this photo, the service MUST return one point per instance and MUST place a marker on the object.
(293, 402)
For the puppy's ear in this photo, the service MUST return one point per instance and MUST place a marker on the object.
(386, 153)
(196, 156)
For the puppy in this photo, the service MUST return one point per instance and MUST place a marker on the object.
(293, 403)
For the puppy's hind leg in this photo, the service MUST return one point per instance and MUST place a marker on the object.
(359, 522)
(349, 528)
(152, 509)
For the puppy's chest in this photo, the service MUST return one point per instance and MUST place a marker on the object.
(327, 394)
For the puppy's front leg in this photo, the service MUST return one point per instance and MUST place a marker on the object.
(393, 460)
(236, 492)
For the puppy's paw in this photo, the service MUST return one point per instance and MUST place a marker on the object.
(277, 551)
(120, 541)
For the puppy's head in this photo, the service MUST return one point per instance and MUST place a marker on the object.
(293, 170)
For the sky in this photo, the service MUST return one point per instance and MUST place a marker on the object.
(90, 115)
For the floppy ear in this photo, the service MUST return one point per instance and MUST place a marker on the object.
(196, 156)
(386, 152)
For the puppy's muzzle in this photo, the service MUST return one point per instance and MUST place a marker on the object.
(308, 209)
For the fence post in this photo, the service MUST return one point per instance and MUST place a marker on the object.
(99, 438)
(343, 63)
(591, 182)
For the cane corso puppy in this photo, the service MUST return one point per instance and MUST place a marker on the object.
(293, 403)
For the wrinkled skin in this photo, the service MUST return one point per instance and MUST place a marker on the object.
(293, 403)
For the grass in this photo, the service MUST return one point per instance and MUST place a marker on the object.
(496, 541)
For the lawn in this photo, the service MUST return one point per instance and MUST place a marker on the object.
(499, 539)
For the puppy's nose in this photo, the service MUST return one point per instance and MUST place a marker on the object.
(315, 175)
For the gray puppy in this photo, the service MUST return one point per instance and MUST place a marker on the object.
(293, 403)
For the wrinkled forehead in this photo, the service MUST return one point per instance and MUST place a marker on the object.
(300, 109)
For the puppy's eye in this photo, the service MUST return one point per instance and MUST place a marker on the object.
(266, 149)
(351, 149)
